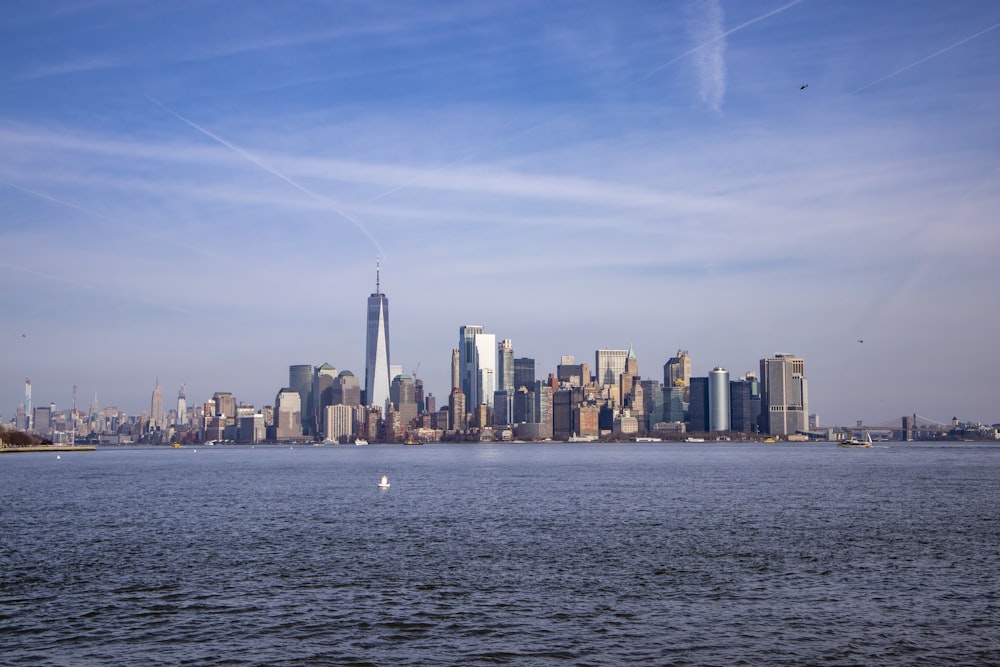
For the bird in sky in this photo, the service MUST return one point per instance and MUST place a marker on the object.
(803, 86)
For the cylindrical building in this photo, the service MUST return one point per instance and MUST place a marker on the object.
(718, 399)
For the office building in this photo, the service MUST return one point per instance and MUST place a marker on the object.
(677, 368)
(288, 414)
(225, 405)
(477, 362)
(338, 422)
(324, 377)
(505, 366)
(784, 395)
(300, 378)
(744, 404)
(156, 408)
(571, 374)
(182, 418)
(610, 365)
(402, 394)
(524, 373)
(377, 348)
(698, 405)
(345, 390)
(718, 399)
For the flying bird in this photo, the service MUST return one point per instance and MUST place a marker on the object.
(860, 341)
(803, 86)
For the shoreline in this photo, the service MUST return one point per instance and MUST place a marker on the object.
(49, 448)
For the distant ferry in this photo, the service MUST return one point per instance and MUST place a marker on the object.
(695, 440)
(645, 439)
(855, 442)
(581, 438)
(411, 440)
(360, 441)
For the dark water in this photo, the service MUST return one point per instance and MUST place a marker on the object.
(652, 554)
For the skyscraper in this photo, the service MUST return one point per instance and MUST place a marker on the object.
(477, 361)
(300, 378)
(505, 366)
(377, 348)
(610, 365)
(698, 407)
(181, 407)
(784, 395)
(718, 399)
(677, 368)
(524, 373)
(156, 408)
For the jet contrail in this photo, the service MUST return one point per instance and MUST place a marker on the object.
(923, 60)
(718, 37)
(274, 172)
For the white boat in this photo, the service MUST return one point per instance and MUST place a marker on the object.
(695, 440)
(581, 438)
(384, 484)
(360, 441)
(855, 442)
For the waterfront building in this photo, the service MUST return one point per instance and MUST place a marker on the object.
(156, 408)
(698, 405)
(477, 361)
(503, 407)
(288, 414)
(377, 348)
(784, 395)
(505, 366)
(456, 409)
(586, 420)
(744, 404)
(251, 428)
(523, 405)
(610, 365)
(41, 420)
(562, 414)
(718, 399)
(652, 402)
(338, 422)
(300, 378)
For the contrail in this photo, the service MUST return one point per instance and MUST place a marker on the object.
(923, 60)
(718, 37)
(274, 172)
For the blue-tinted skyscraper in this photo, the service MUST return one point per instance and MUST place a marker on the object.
(377, 348)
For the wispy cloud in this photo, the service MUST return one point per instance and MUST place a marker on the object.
(926, 58)
(710, 59)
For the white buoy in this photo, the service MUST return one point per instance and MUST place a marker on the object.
(384, 484)
(58, 456)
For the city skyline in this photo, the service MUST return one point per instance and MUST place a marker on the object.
(197, 193)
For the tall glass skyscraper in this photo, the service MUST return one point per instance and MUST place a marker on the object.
(377, 349)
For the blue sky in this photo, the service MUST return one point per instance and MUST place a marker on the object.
(196, 192)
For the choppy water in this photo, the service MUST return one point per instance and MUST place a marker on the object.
(652, 554)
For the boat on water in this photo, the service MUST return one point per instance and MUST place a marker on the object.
(384, 484)
(695, 440)
(857, 442)
(360, 441)
(581, 438)
(411, 440)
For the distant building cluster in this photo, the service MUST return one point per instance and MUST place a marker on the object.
(494, 395)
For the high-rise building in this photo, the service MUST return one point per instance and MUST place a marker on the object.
(181, 407)
(524, 373)
(288, 414)
(345, 390)
(505, 366)
(402, 394)
(610, 365)
(338, 422)
(156, 408)
(225, 405)
(300, 378)
(718, 399)
(456, 409)
(377, 348)
(744, 404)
(324, 377)
(456, 369)
(477, 361)
(784, 395)
(698, 405)
(677, 368)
